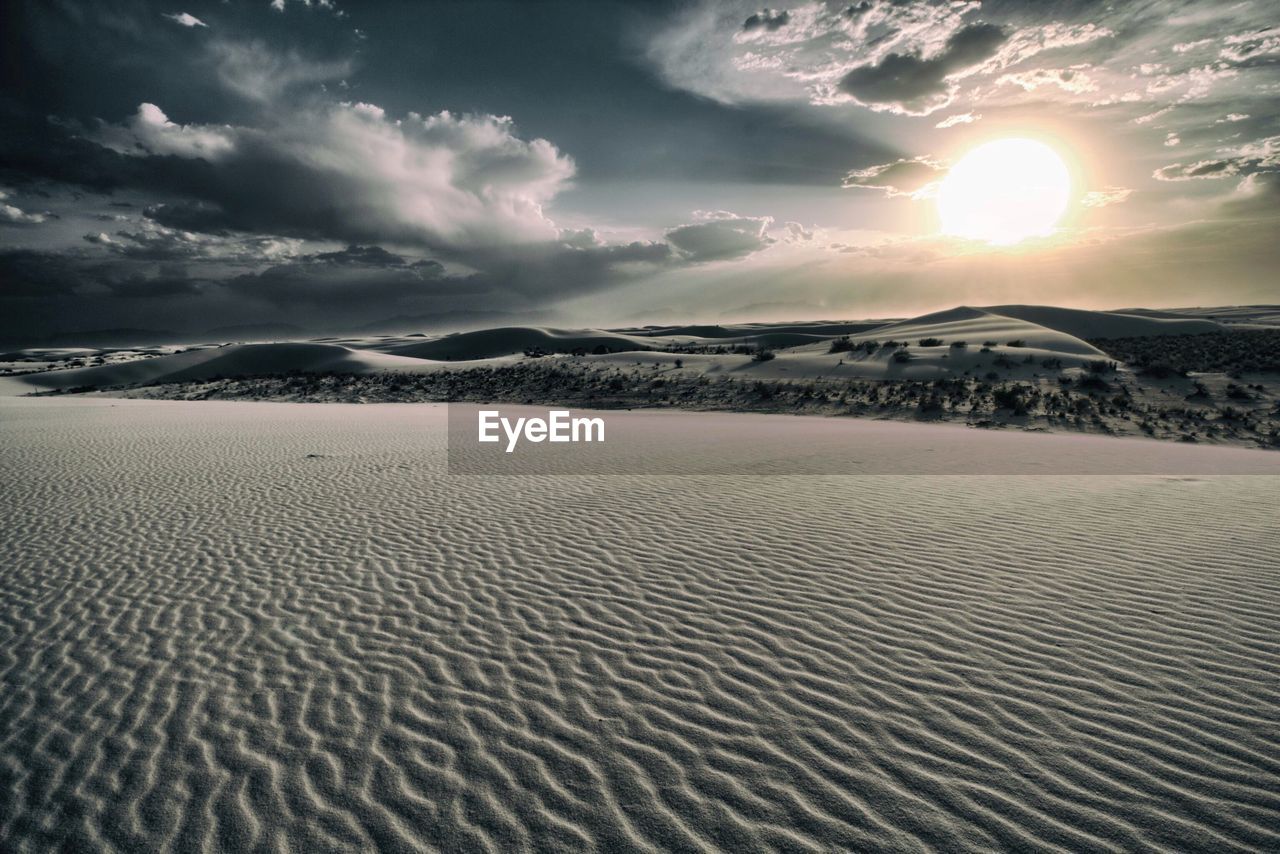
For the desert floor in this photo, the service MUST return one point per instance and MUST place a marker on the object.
(272, 626)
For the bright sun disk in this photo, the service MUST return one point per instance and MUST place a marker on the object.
(1005, 191)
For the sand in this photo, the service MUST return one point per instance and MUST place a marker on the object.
(269, 626)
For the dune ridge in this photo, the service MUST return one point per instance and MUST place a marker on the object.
(315, 641)
(230, 360)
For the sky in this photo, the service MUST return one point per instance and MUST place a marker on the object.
(336, 167)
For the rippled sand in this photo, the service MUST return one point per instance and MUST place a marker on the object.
(270, 626)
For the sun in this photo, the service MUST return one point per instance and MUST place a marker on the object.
(1005, 191)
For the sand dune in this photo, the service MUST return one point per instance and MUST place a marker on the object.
(976, 325)
(749, 330)
(487, 343)
(282, 627)
(231, 360)
(1035, 344)
(1231, 315)
(1104, 324)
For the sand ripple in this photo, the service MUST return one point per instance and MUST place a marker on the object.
(274, 627)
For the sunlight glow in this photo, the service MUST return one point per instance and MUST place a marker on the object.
(1004, 192)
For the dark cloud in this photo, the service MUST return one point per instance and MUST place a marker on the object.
(720, 236)
(911, 83)
(902, 177)
(1201, 169)
(357, 274)
(350, 172)
(40, 275)
(30, 273)
(167, 280)
(766, 19)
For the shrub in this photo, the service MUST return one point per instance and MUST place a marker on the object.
(958, 345)
(1017, 342)
(841, 345)
(902, 356)
(1009, 398)
(763, 356)
(1161, 371)
(931, 342)
(1100, 366)
(931, 405)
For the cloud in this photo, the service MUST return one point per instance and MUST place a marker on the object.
(155, 242)
(357, 274)
(766, 19)
(910, 83)
(27, 273)
(279, 5)
(149, 131)
(13, 215)
(1201, 169)
(913, 177)
(794, 232)
(1257, 193)
(1106, 196)
(1261, 155)
(958, 119)
(46, 276)
(350, 172)
(720, 236)
(185, 19)
(1067, 79)
(259, 73)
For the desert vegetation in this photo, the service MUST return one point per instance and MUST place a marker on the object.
(1233, 352)
(1089, 401)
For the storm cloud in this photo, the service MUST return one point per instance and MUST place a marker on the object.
(348, 171)
(914, 84)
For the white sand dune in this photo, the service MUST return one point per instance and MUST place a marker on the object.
(976, 326)
(488, 343)
(748, 330)
(1104, 324)
(231, 360)
(1229, 315)
(233, 626)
